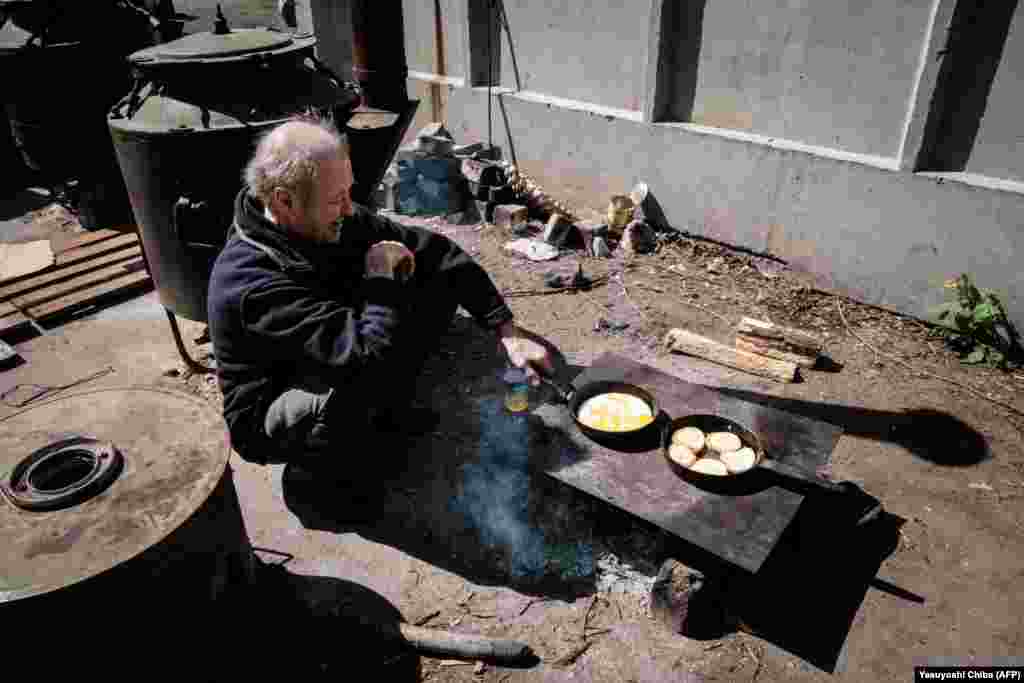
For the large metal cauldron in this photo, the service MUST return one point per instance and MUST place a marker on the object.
(105, 542)
(185, 132)
(63, 68)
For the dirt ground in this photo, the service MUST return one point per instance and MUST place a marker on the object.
(943, 462)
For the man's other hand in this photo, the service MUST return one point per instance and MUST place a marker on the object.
(389, 259)
(525, 352)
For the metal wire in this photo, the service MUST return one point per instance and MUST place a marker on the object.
(41, 390)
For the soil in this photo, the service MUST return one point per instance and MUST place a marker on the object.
(959, 552)
(945, 463)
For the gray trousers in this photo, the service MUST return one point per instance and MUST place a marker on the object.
(315, 423)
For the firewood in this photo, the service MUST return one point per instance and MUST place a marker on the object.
(682, 341)
(764, 347)
(788, 339)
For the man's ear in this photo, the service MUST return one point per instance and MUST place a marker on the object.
(283, 198)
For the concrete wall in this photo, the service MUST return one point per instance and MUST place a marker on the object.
(579, 50)
(999, 148)
(882, 237)
(837, 74)
(421, 43)
(831, 135)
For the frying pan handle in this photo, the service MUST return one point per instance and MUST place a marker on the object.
(797, 473)
(564, 393)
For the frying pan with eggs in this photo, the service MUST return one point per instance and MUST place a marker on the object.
(616, 414)
(715, 424)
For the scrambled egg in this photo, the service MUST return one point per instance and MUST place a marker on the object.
(615, 413)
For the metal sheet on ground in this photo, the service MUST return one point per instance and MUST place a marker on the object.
(742, 528)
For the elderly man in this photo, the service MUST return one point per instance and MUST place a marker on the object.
(322, 314)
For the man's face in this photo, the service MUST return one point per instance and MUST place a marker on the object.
(329, 203)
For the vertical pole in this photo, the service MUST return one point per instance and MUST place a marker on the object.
(378, 53)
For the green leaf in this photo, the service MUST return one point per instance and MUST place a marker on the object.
(984, 313)
(975, 356)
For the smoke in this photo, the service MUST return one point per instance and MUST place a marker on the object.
(540, 527)
(495, 492)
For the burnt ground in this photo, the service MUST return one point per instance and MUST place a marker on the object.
(461, 541)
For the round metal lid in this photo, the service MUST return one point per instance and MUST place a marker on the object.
(175, 450)
(208, 46)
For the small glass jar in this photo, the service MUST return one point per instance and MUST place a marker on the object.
(517, 390)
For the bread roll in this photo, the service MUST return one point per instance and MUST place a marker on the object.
(710, 466)
(724, 442)
(682, 454)
(739, 461)
(691, 437)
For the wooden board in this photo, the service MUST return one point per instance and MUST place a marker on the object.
(91, 269)
(741, 528)
(26, 291)
(24, 259)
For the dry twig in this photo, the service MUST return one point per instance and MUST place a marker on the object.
(586, 617)
(530, 603)
(427, 617)
(573, 654)
(965, 387)
(758, 661)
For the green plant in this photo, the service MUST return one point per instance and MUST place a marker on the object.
(975, 325)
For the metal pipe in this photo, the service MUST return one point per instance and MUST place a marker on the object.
(378, 53)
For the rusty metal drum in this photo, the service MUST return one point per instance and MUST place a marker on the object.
(190, 123)
(116, 504)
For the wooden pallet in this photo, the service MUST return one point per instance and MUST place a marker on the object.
(90, 269)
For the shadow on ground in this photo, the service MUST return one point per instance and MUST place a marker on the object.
(807, 594)
(468, 499)
(929, 434)
(306, 648)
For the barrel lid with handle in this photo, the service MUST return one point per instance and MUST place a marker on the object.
(209, 47)
(65, 516)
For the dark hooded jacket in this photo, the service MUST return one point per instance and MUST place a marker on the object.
(279, 305)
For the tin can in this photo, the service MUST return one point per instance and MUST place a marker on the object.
(620, 213)
(517, 390)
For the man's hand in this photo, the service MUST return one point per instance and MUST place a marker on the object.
(392, 260)
(524, 352)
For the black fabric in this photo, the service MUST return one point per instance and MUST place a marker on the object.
(280, 306)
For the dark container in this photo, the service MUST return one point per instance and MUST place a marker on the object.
(64, 66)
(188, 127)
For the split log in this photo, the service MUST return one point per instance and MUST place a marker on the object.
(787, 339)
(763, 347)
(682, 341)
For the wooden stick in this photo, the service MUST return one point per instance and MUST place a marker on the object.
(682, 341)
(443, 643)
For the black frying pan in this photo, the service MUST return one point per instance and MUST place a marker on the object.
(574, 398)
(715, 423)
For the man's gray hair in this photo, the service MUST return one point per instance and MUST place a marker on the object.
(289, 157)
